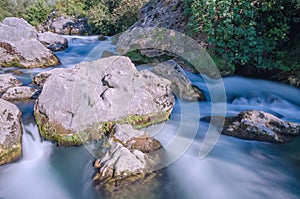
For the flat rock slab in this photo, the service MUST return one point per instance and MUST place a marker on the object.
(19, 93)
(8, 81)
(10, 132)
(83, 103)
(262, 126)
(181, 85)
(19, 46)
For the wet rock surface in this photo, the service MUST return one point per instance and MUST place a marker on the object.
(53, 41)
(262, 126)
(10, 132)
(181, 85)
(83, 103)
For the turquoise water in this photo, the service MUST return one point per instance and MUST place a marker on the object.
(233, 169)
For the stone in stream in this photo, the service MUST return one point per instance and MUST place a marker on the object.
(19, 93)
(262, 126)
(8, 81)
(19, 46)
(81, 104)
(41, 78)
(10, 132)
(53, 41)
(127, 164)
(181, 85)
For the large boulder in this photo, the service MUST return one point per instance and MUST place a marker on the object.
(181, 85)
(126, 160)
(262, 126)
(19, 93)
(10, 132)
(8, 81)
(53, 41)
(83, 103)
(19, 46)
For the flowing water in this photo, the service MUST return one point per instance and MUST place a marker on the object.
(234, 169)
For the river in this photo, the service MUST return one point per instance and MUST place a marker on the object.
(234, 168)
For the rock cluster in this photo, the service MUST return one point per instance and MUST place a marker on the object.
(19, 46)
(128, 161)
(65, 25)
(11, 89)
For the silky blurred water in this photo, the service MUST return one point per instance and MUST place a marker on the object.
(234, 169)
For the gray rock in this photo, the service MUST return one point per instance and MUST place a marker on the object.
(262, 126)
(53, 41)
(66, 25)
(58, 24)
(8, 81)
(80, 104)
(19, 93)
(161, 14)
(10, 132)
(19, 46)
(41, 78)
(181, 85)
(122, 161)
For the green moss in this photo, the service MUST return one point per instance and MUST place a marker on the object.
(8, 155)
(12, 63)
(96, 131)
(137, 57)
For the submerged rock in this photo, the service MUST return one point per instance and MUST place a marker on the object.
(53, 41)
(126, 160)
(19, 93)
(181, 85)
(10, 132)
(262, 126)
(83, 103)
(8, 81)
(19, 46)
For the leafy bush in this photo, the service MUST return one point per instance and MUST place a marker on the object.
(247, 32)
(37, 13)
(110, 17)
(75, 8)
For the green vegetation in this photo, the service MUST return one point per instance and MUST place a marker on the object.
(256, 33)
(107, 17)
(113, 16)
(37, 13)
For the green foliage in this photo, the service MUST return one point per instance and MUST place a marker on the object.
(37, 13)
(112, 16)
(4, 9)
(247, 32)
(75, 8)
